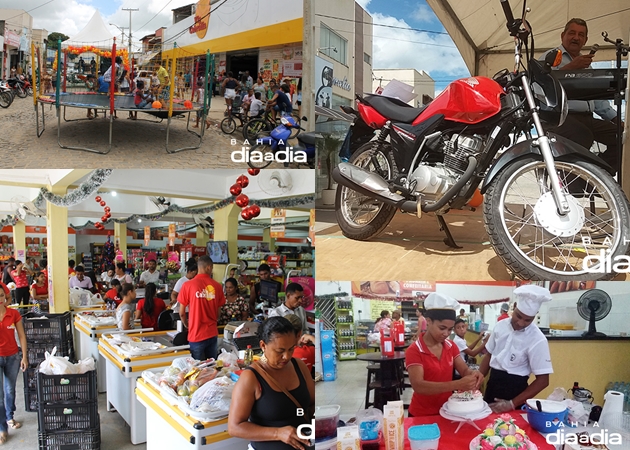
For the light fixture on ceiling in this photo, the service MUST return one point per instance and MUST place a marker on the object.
(139, 220)
(114, 193)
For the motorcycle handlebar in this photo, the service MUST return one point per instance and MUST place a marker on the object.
(508, 12)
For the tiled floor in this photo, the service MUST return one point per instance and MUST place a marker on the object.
(348, 390)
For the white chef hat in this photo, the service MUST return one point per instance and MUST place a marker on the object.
(440, 306)
(530, 297)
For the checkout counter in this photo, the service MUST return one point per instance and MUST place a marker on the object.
(126, 355)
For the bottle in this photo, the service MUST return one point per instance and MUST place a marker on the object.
(249, 356)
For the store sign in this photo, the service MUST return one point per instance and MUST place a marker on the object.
(376, 306)
(171, 234)
(147, 236)
(392, 289)
(292, 69)
(202, 18)
(11, 38)
(323, 82)
(343, 84)
(278, 218)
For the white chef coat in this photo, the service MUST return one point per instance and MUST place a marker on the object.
(149, 277)
(177, 288)
(519, 352)
(461, 345)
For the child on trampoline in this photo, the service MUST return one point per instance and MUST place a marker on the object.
(141, 99)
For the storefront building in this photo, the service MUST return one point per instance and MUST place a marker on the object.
(16, 27)
(243, 36)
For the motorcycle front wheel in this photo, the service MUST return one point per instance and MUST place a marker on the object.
(361, 217)
(20, 92)
(29, 91)
(537, 243)
(5, 99)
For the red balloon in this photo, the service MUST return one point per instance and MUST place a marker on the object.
(108, 214)
(98, 198)
(107, 209)
(103, 203)
(98, 224)
(246, 214)
(242, 200)
(255, 209)
(253, 172)
(235, 189)
(242, 181)
(104, 219)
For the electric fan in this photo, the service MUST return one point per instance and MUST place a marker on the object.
(594, 305)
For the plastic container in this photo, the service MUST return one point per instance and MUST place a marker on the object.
(565, 318)
(554, 415)
(424, 437)
(326, 419)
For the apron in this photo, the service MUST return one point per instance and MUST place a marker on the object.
(504, 386)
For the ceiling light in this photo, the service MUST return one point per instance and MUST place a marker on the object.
(139, 220)
(114, 194)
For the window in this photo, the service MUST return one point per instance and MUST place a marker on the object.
(367, 58)
(332, 45)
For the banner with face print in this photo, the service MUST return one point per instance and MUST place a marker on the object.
(323, 82)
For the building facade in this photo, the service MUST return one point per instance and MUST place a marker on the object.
(423, 85)
(16, 28)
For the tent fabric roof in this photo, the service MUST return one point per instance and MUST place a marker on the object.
(478, 27)
(94, 33)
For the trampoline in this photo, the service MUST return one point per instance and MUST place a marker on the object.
(121, 102)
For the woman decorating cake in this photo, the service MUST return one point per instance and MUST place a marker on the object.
(431, 359)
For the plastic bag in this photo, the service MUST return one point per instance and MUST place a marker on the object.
(214, 396)
(558, 394)
(57, 365)
(185, 363)
(80, 297)
(370, 423)
(228, 359)
(85, 365)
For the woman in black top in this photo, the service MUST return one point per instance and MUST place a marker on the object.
(262, 413)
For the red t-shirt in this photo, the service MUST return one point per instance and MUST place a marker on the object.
(71, 272)
(503, 316)
(307, 354)
(203, 296)
(151, 321)
(439, 370)
(21, 280)
(8, 346)
(40, 290)
(112, 294)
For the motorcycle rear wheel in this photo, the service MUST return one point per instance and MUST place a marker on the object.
(20, 92)
(535, 242)
(361, 217)
(265, 150)
(5, 99)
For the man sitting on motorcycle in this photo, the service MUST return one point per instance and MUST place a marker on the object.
(580, 126)
(280, 101)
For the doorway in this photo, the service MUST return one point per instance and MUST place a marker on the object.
(240, 62)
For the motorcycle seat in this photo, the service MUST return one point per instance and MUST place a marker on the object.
(308, 138)
(393, 109)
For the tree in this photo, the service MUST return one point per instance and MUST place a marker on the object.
(54, 37)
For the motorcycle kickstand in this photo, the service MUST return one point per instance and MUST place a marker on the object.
(448, 240)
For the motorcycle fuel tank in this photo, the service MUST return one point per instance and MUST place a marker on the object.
(469, 100)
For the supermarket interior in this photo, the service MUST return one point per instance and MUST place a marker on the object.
(369, 330)
(97, 264)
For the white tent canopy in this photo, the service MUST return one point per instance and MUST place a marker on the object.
(478, 27)
(94, 33)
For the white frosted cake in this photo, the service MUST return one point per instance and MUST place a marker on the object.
(465, 402)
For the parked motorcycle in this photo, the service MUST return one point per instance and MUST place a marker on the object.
(274, 147)
(26, 85)
(17, 86)
(548, 203)
(6, 94)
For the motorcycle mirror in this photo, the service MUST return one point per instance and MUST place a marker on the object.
(553, 58)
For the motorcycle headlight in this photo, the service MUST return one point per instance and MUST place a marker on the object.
(564, 104)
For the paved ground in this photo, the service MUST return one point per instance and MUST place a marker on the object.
(136, 144)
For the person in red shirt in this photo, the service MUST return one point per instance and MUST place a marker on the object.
(149, 308)
(39, 288)
(305, 348)
(71, 271)
(431, 359)
(113, 295)
(20, 277)
(10, 361)
(204, 297)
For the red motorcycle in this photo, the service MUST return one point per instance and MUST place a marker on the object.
(548, 203)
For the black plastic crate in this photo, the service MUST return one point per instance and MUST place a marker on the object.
(71, 440)
(30, 400)
(37, 351)
(65, 417)
(67, 389)
(48, 327)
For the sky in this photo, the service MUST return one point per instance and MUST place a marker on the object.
(434, 53)
(70, 16)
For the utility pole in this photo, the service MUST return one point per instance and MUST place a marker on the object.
(130, 11)
(308, 66)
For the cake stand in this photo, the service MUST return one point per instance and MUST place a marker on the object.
(465, 418)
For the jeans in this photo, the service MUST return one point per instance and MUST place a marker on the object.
(9, 369)
(143, 104)
(204, 349)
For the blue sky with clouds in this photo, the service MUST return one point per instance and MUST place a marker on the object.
(434, 53)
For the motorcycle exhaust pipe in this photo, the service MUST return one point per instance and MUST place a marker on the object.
(374, 186)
